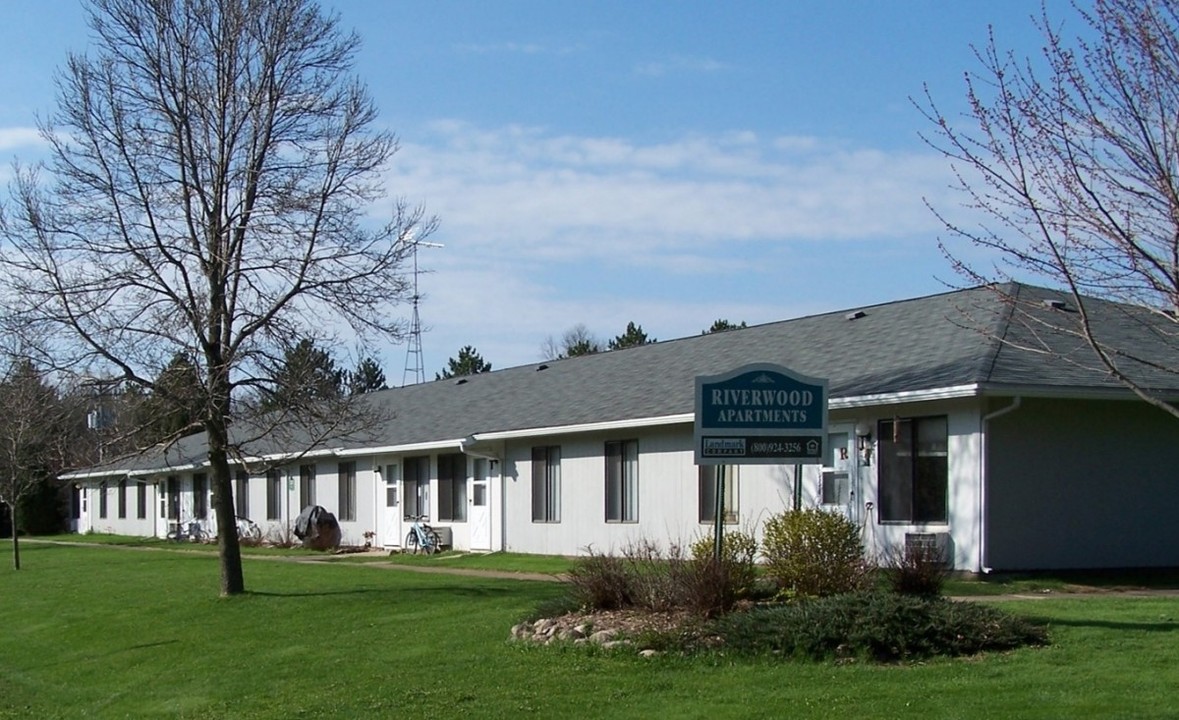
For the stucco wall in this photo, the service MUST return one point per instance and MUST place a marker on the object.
(1077, 484)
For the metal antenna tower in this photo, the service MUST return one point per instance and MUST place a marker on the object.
(413, 354)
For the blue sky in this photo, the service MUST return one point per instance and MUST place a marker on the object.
(668, 163)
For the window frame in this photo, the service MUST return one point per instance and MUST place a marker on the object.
(452, 487)
(307, 475)
(274, 494)
(622, 481)
(200, 496)
(415, 477)
(172, 497)
(706, 494)
(911, 459)
(141, 500)
(546, 484)
(122, 499)
(241, 493)
(346, 474)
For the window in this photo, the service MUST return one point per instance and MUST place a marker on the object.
(836, 478)
(452, 487)
(479, 483)
(274, 494)
(306, 486)
(75, 502)
(123, 498)
(102, 499)
(707, 493)
(200, 496)
(173, 497)
(241, 493)
(347, 475)
(392, 481)
(417, 486)
(546, 484)
(141, 500)
(622, 481)
(914, 470)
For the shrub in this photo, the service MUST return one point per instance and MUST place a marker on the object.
(600, 582)
(814, 553)
(645, 577)
(916, 569)
(873, 625)
(738, 557)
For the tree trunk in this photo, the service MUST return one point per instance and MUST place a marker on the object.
(15, 539)
(228, 548)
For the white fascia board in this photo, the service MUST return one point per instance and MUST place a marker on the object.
(401, 449)
(275, 457)
(126, 472)
(896, 398)
(1066, 392)
(587, 427)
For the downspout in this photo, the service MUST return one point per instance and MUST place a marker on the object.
(982, 479)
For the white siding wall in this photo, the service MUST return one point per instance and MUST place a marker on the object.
(668, 499)
(1082, 485)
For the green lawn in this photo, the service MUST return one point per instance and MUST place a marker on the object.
(110, 632)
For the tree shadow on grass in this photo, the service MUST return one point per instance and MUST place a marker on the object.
(1166, 624)
(455, 591)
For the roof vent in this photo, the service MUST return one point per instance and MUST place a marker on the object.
(1054, 304)
(541, 367)
(855, 315)
(461, 381)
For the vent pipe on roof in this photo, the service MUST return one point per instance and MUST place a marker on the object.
(855, 315)
(541, 367)
(1054, 304)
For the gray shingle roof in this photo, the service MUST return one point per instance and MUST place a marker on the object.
(923, 344)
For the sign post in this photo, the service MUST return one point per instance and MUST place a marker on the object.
(759, 414)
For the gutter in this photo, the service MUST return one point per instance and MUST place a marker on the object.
(982, 478)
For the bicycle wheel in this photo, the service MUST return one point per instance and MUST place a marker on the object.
(248, 530)
(435, 542)
(411, 542)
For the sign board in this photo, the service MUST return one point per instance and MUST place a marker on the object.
(760, 414)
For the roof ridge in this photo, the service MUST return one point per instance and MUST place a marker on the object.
(998, 338)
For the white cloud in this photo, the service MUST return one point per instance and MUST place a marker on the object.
(679, 64)
(18, 137)
(544, 230)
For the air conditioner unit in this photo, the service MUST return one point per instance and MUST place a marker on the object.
(937, 545)
(444, 536)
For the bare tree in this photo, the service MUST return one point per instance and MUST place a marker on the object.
(577, 340)
(38, 430)
(1072, 158)
(212, 164)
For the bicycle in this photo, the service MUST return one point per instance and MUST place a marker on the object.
(422, 536)
(248, 530)
(191, 531)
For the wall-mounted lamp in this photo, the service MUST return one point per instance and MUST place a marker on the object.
(864, 442)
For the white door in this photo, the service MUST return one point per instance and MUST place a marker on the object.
(84, 510)
(167, 505)
(480, 502)
(838, 490)
(391, 512)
